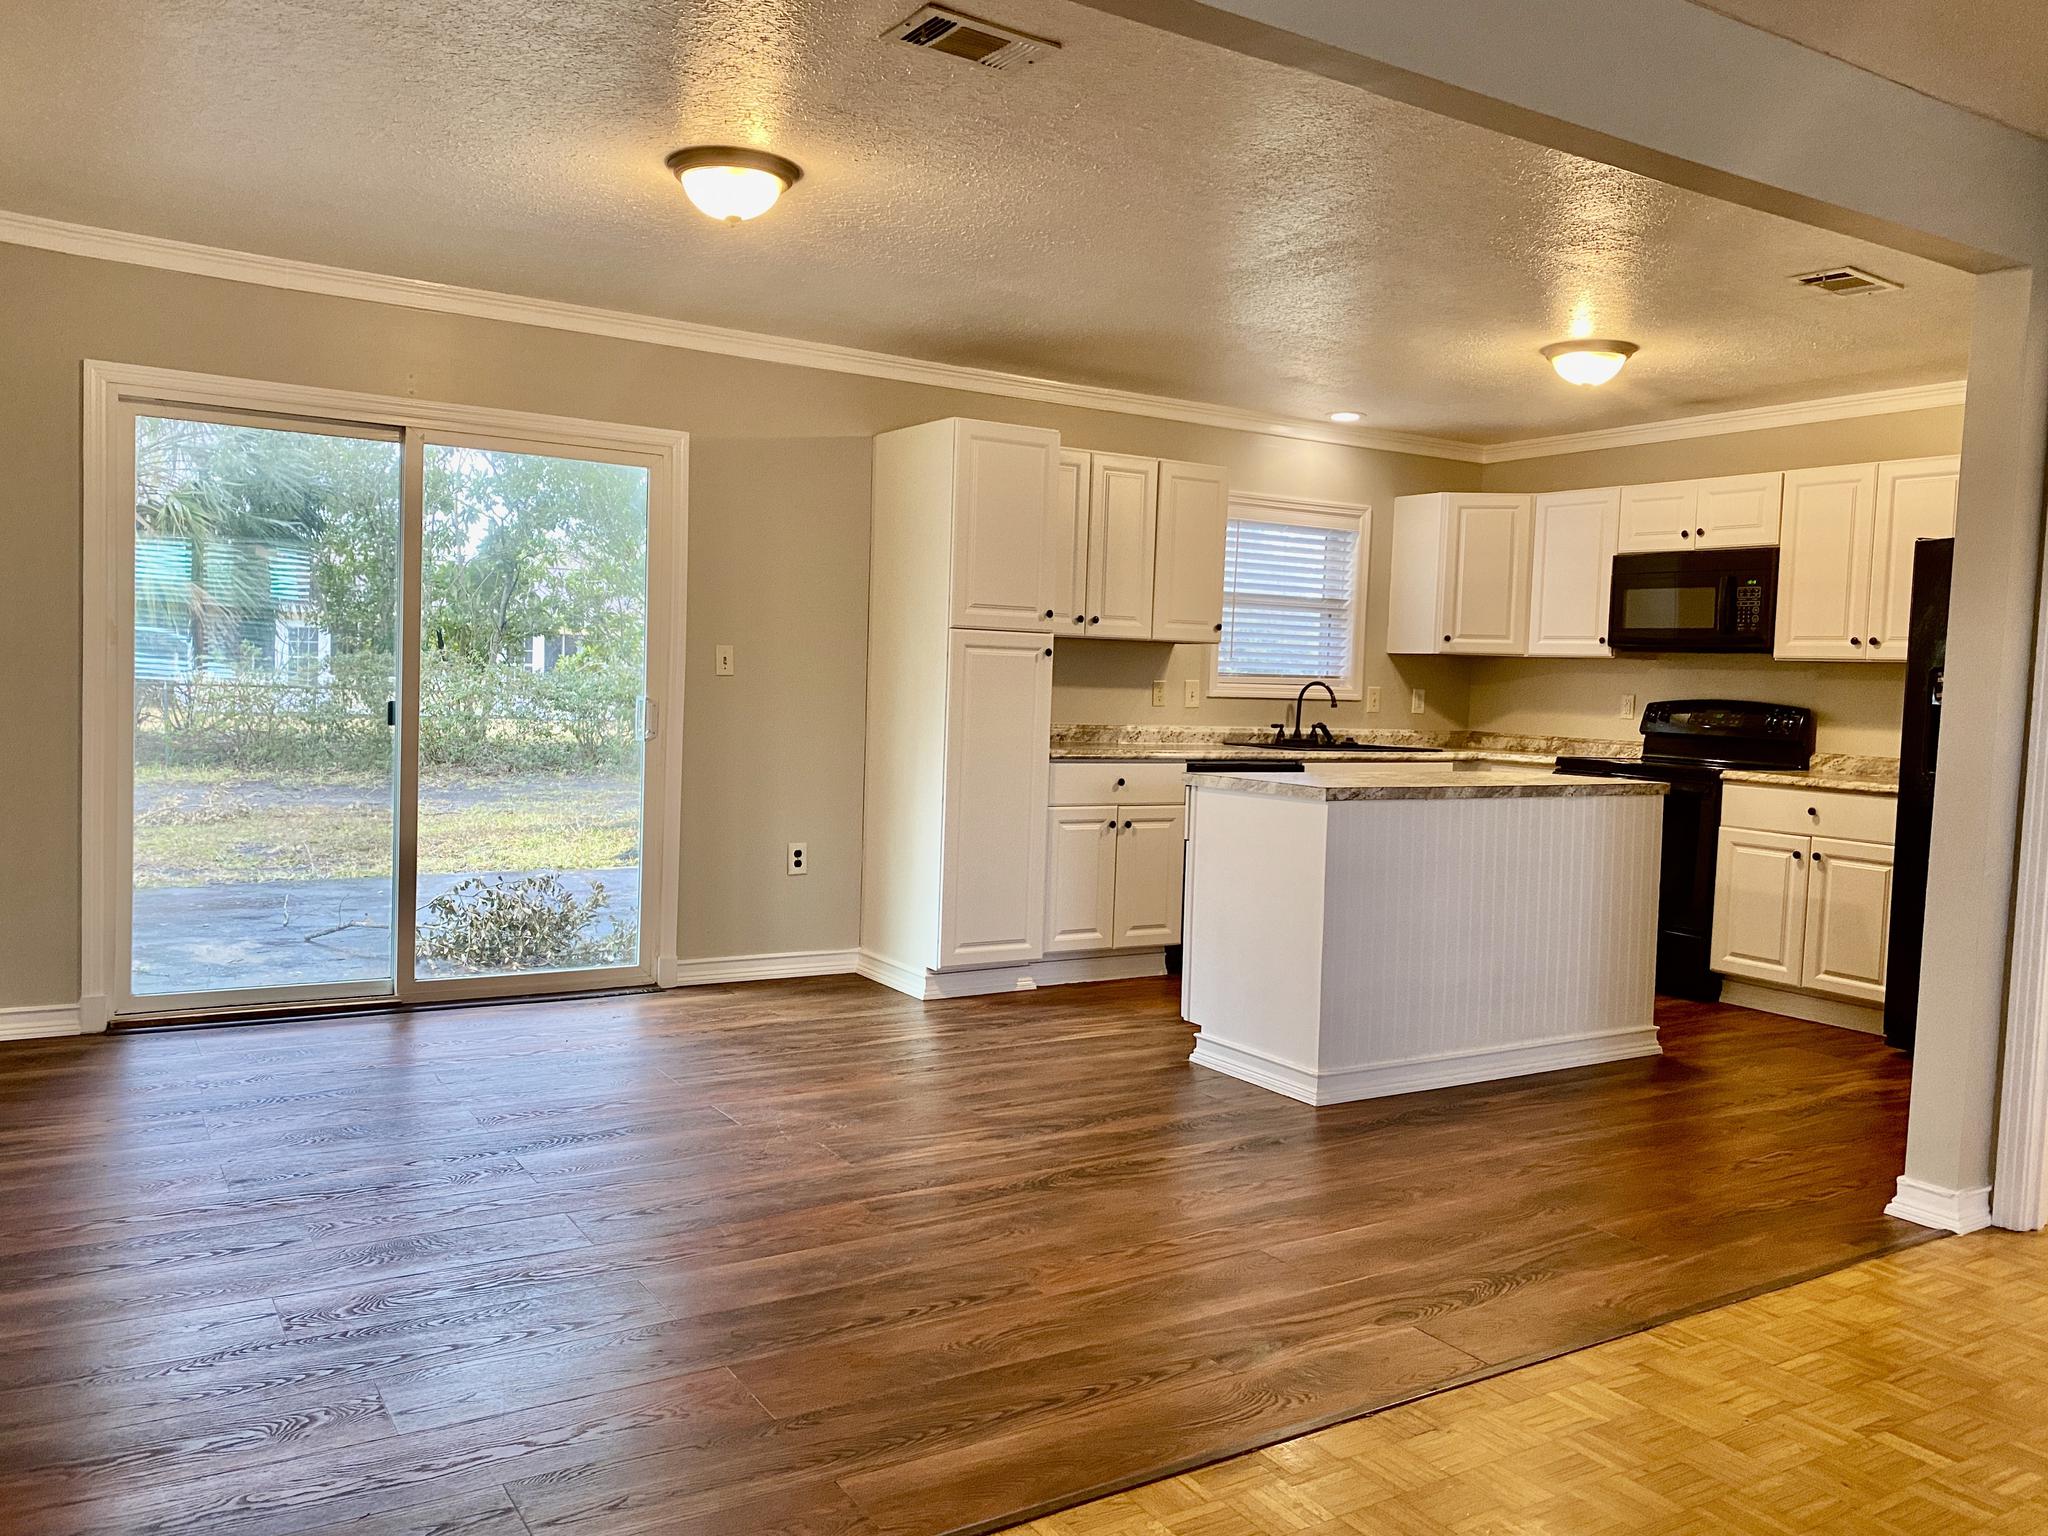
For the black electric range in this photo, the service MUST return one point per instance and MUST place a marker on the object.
(1688, 744)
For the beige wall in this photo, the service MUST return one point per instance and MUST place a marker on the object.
(1858, 705)
(778, 565)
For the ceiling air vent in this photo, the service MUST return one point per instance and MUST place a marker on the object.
(978, 42)
(1845, 280)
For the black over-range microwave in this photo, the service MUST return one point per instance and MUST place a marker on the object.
(1694, 600)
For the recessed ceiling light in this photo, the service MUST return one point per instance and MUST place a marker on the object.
(1588, 362)
(1344, 418)
(732, 185)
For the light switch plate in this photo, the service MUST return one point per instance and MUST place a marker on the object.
(1416, 703)
(1372, 700)
(1159, 694)
(725, 661)
(1191, 692)
(1628, 707)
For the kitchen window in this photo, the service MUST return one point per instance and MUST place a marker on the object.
(1292, 597)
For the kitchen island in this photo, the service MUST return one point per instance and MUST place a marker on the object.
(1360, 930)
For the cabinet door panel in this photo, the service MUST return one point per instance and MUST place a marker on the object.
(1657, 517)
(1486, 597)
(1187, 581)
(1760, 905)
(1070, 545)
(1570, 568)
(1916, 499)
(1004, 526)
(1848, 918)
(998, 723)
(1080, 883)
(1123, 516)
(1824, 563)
(1739, 511)
(1150, 847)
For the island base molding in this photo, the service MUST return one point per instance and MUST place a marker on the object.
(916, 981)
(1838, 1011)
(1379, 1080)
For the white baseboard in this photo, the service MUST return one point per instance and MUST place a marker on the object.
(724, 968)
(1345, 1085)
(39, 1023)
(1946, 1210)
(915, 981)
(1838, 1011)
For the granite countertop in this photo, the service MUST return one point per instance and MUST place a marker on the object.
(1179, 744)
(1472, 779)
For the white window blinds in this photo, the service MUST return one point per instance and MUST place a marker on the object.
(1289, 597)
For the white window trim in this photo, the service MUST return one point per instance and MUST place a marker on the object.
(1307, 514)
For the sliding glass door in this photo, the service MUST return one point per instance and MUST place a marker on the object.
(386, 711)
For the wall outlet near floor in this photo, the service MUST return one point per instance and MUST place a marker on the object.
(725, 661)
(1159, 694)
(799, 859)
(1191, 692)
(1372, 700)
(1416, 702)
(1628, 707)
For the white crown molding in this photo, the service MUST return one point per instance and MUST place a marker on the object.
(478, 303)
(1761, 418)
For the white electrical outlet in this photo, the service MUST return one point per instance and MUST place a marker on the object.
(1159, 694)
(799, 859)
(1416, 703)
(725, 661)
(1372, 700)
(1191, 692)
(1628, 707)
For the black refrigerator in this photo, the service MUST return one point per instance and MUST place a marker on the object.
(1919, 747)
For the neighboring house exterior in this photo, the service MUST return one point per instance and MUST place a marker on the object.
(251, 608)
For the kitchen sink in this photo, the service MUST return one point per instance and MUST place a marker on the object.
(1343, 745)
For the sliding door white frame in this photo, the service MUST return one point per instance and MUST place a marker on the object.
(112, 390)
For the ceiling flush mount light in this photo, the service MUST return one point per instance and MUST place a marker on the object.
(1344, 418)
(732, 185)
(1588, 362)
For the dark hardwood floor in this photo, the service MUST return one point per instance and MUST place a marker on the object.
(810, 1258)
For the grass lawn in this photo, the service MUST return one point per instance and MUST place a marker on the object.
(211, 827)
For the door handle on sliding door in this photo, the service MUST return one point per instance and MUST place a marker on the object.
(391, 712)
(650, 716)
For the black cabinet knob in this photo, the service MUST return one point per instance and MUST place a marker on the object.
(1855, 639)
(1796, 856)
(1701, 532)
(1127, 826)
(1095, 619)
(1080, 618)
(1048, 613)
(1219, 629)
(1119, 783)
(1048, 650)
(1875, 642)
(1603, 640)
(1813, 810)
(1447, 639)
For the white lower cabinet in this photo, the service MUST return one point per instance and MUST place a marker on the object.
(1798, 909)
(1113, 877)
(1080, 878)
(1848, 918)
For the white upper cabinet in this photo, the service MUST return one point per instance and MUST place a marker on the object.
(1187, 566)
(1824, 563)
(1461, 575)
(999, 717)
(1916, 499)
(1070, 544)
(1123, 520)
(1739, 511)
(1728, 512)
(1661, 516)
(1570, 565)
(1005, 533)
(1147, 558)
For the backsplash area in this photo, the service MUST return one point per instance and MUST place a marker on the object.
(1856, 705)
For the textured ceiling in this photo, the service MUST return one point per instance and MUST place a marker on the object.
(1141, 211)
(1985, 56)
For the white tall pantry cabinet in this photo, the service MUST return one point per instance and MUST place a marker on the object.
(968, 535)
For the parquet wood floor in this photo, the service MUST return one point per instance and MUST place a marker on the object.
(1903, 1397)
(811, 1258)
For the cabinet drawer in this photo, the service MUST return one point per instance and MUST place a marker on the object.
(1811, 812)
(1117, 783)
